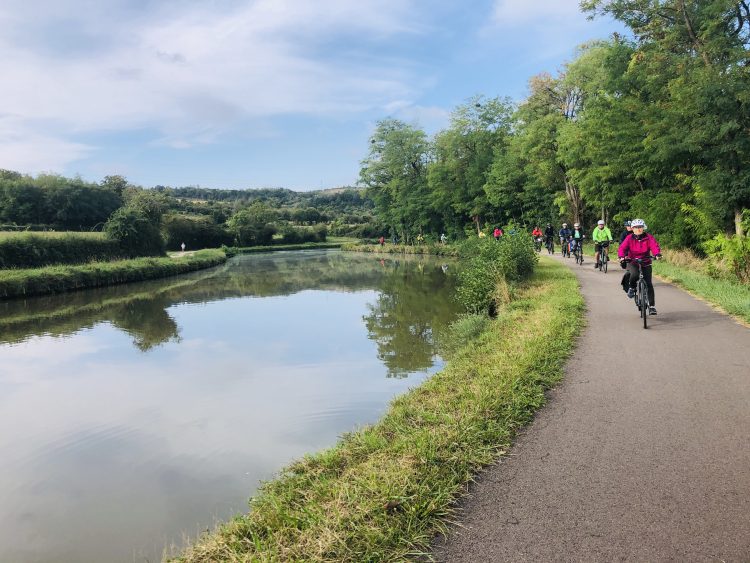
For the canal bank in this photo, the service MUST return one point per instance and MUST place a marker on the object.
(384, 492)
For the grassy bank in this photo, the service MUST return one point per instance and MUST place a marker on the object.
(432, 249)
(37, 250)
(384, 492)
(691, 274)
(56, 279)
(283, 247)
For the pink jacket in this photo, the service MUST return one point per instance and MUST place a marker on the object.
(639, 248)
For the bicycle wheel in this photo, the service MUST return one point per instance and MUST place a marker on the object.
(643, 289)
(606, 261)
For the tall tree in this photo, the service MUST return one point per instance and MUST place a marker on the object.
(463, 157)
(394, 173)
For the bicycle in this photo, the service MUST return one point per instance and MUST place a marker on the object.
(578, 251)
(550, 246)
(603, 256)
(565, 248)
(641, 292)
(538, 244)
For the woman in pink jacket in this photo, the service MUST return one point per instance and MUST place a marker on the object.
(639, 244)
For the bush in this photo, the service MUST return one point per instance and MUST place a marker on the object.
(196, 231)
(136, 234)
(292, 235)
(730, 255)
(31, 250)
(490, 266)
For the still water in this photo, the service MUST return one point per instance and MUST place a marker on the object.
(135, 416)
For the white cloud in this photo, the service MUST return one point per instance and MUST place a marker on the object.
(191, 73)
(25, 149)
(514, 12)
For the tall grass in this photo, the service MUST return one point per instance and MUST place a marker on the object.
(56, 279)
(384, 491)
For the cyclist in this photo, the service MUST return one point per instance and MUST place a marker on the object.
(576, 239)
(626, 232)
(601, 236)
(549, 232)
(641, 245)
(536, 236)
(564, 235)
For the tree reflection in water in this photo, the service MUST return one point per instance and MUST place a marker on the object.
(412, 305)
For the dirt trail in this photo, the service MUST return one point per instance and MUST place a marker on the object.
(642, 453)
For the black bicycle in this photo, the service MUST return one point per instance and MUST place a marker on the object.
(538, 244)
(603, 256)
(565, 248)
(641, 293)
(550, 244)
(578, 251)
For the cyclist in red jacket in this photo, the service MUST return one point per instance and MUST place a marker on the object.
(640, 244)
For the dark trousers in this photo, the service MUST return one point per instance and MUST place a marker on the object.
(633, 281)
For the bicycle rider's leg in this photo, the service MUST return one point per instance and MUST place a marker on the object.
(597, 247)
(633, 271)
(647, 271)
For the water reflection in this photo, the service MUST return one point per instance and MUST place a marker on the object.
(133, 415)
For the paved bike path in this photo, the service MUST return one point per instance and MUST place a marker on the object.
(641, 454)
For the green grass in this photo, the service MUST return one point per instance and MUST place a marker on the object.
(730, 296)
(384, 491)
(50, 234)
(388, 248)
(57, 279)
(279, 247)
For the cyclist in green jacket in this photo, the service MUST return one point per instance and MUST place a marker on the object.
(602, 237)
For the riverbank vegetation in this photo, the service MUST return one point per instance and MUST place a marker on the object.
(384, 491)
(387, 248)
(701, 278)
(56, 279)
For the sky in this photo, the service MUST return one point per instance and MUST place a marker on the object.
(255, 93)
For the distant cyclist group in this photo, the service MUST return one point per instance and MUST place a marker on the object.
(635, 252)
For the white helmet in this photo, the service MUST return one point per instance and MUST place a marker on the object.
(600, 222)
(638, 223)
(576, 225)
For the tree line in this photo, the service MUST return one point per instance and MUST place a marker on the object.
(654, 125)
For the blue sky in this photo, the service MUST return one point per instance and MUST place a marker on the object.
(255, 93)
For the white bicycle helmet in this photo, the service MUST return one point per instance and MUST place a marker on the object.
(638, 223)
(576, 225)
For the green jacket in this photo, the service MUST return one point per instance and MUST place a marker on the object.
(602, 235)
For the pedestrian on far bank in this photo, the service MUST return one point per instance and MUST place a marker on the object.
(381, 240)
(182, 246)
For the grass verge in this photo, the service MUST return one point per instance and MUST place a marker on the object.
(56, 279)
(280, 247)
(384, 491)
(432, 249)
(730, 296)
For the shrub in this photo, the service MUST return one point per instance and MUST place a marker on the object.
(196, 231)
(730, 254)
(136, 234)
(490, 266)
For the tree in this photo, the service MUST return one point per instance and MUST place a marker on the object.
(394, 174)
(135, 232)
(252, 225)
(463, 156)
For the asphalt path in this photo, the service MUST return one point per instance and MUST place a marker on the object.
(641, 454)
